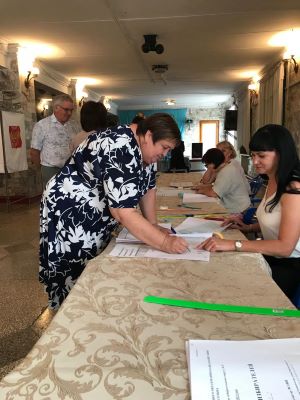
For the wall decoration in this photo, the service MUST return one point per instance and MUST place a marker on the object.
(13, 156)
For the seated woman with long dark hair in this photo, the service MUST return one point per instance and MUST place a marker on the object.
(273, 153)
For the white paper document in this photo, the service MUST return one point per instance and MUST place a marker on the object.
(193, 225)
(129, 250)
(191, 254)
(171, 192)
(142, 250)
(198, 198)
(244, 370)
(181, 184)
(125, 236)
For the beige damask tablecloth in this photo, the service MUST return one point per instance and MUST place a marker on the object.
(105, 342)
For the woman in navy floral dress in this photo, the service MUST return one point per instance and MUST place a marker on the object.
(107, 177)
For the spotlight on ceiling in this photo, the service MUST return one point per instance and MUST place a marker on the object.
(170, 102)
(151, 45)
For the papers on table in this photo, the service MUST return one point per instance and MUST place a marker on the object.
(170, 192)
(124, 236)
(198, 198)
(191, 254)
(129, 246)
(181, 184)
(196, 226)
(129, 250)
(244, 370)
(142, 250)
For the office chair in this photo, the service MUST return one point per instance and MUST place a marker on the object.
(255, 185)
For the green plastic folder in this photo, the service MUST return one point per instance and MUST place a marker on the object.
(275, 312)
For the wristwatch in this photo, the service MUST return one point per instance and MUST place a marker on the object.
(238, 245)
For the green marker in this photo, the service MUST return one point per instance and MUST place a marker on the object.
(275, 312)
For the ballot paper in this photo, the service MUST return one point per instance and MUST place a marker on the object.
(244, 370)
(142, 250)
(125, 236)
(171, 191)
(193, 225)
(197, 198)
(191, 254)
(181, 184)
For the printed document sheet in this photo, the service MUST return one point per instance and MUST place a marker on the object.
(198, 198)
(142, 250)
(171, 192)
(193, 225)
(182, 184)
(244, 370)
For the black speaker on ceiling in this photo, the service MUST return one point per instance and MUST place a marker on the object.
(230, 123)
(197, 149)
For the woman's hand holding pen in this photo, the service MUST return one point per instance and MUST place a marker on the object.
(162, 229)
(174, 244)
(236, 222)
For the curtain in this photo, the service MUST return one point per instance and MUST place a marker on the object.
(270, 96)
(179, 115)
(243, 123)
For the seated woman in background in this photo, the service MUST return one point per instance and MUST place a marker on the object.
(229, 185)
(230, 157)
(274, 154)
(93, 117)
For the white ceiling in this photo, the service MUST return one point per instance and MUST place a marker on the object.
(208, 44)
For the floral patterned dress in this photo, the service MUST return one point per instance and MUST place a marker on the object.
(106, 170)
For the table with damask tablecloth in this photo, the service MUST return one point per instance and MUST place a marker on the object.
(105, 342)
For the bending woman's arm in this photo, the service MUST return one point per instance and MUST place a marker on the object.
(147, 232)
(147, 205)
(289, 233)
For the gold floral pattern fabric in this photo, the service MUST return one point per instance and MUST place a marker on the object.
(105, 342)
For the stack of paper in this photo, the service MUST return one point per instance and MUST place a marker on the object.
(126, 237)
(197, 227)
(244, 370)
(197, 198)
(181, 184)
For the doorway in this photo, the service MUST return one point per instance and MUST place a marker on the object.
(209, 134)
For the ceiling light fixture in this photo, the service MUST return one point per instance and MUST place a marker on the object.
(170, 102)
(151, 45)
(84, 96)
(253, 89)
(106, 102)
(31, 75)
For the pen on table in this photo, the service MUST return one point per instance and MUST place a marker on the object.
(218, 234)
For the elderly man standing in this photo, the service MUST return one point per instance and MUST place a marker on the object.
(52, 136)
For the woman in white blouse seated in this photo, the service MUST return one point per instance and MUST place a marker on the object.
(230, 158)
(229, 185)
(273, 153)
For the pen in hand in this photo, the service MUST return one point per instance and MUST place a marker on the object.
(173, 230)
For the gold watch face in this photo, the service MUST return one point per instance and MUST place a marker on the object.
(238, 245)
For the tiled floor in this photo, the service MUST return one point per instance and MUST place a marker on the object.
(23, 304)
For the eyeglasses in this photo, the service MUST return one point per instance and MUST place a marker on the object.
(66, 109)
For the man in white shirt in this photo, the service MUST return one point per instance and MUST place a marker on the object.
(52, 136)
